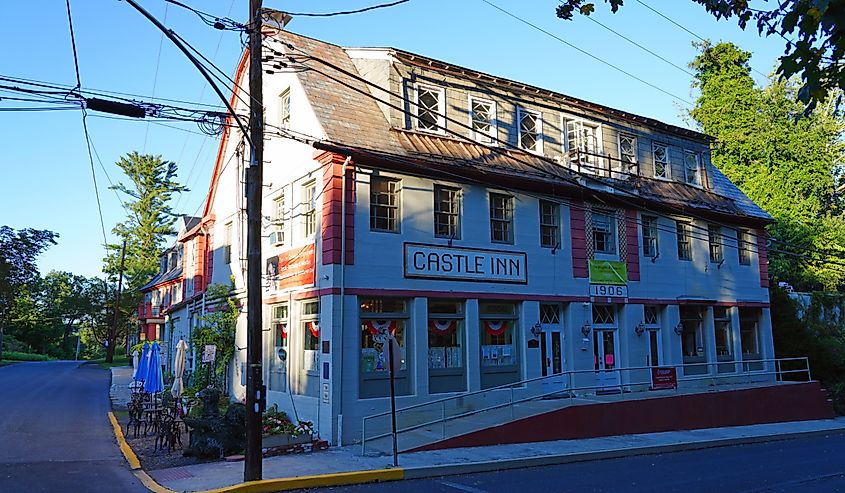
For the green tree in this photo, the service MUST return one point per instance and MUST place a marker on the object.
(217, 329)
(814, 54)
(69, 299)
(18, 251)
(785, 162)
(152, 183)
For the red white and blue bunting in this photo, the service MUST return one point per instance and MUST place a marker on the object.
(496, 327)
(314, 328)
(442, 327)
(376, 327)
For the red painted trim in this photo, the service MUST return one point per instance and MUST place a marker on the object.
(741, 304)
(632, 240)
(763, 258)
(227, 130)
(332, 210)
(577, 228)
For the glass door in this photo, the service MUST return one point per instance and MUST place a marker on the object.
(551, 343)
(604, 357)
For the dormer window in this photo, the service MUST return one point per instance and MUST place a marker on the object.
(660, 154)
(429, 109)
(530, 130)
(692, 166)
(628, 149)
(483, 120)
(582, 140)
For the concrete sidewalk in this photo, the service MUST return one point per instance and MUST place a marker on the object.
(479, 459)
(328, 468)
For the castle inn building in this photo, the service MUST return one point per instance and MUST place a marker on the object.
(501, 232)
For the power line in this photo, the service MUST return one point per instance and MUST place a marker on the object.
(347, 12)
(703, 40)
(638, 45)
(585, 52)
(155, 80)
(85, 128)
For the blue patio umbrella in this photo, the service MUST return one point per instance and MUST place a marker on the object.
(143, 363)
(155, 380)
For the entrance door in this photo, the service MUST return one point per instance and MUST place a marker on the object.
(604, 354)
(653, 347)
(552, 342)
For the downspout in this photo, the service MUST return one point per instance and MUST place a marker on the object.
(342, 293)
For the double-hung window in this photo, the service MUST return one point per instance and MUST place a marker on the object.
(684, 233)
(277, 235)
(501, 218)
(384, 204)
(483, 120)
(743, 237)
(310, 323)
(309, 208)
(227, 243)
(604, 232)
(429, 109)
(284, 109)
(714, 237)
(660, 155)
(649, 224)
(692, 165)
(628, 150)
(530, 130)
(447, 212)
(549, 224)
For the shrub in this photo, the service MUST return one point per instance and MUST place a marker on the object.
(19, 356)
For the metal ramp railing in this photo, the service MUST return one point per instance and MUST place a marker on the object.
(432, 421)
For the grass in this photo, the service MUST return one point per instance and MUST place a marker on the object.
(118, 360)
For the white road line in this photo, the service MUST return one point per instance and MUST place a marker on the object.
(462, 487)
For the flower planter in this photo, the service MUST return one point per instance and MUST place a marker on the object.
(284, 440)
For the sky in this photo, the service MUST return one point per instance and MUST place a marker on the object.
(47, 180)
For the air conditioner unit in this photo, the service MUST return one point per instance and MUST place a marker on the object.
(277, 237)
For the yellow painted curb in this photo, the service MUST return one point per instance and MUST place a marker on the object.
(322, 480)
(131, 458)
(265, 485)
(150, 483)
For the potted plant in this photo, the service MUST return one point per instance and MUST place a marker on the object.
(279, 431)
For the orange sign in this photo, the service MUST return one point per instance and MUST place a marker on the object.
(292, 268)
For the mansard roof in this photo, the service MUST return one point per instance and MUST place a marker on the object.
(355, 125)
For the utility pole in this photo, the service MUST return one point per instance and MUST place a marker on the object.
(255, 392)
(113, 331)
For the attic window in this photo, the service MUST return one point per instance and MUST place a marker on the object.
(530, 131)
(483, 119)
(429, 109)
(284, 109)
(692, 165)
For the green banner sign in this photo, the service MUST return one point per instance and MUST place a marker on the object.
(608, 272)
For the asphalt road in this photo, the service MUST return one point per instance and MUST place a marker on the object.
(813, 464)
(55, 433)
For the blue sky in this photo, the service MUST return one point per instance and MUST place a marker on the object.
(47, 180)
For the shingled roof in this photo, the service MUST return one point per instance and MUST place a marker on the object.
(355, 125)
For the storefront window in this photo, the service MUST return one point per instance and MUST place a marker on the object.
(749, 333)
(278, 360)
(724, 341)
(692, 340)
(445, 334)
(498, 321)
(381, 317)
(310, 323)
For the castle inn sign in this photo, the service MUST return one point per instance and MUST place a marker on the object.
(464, 264)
